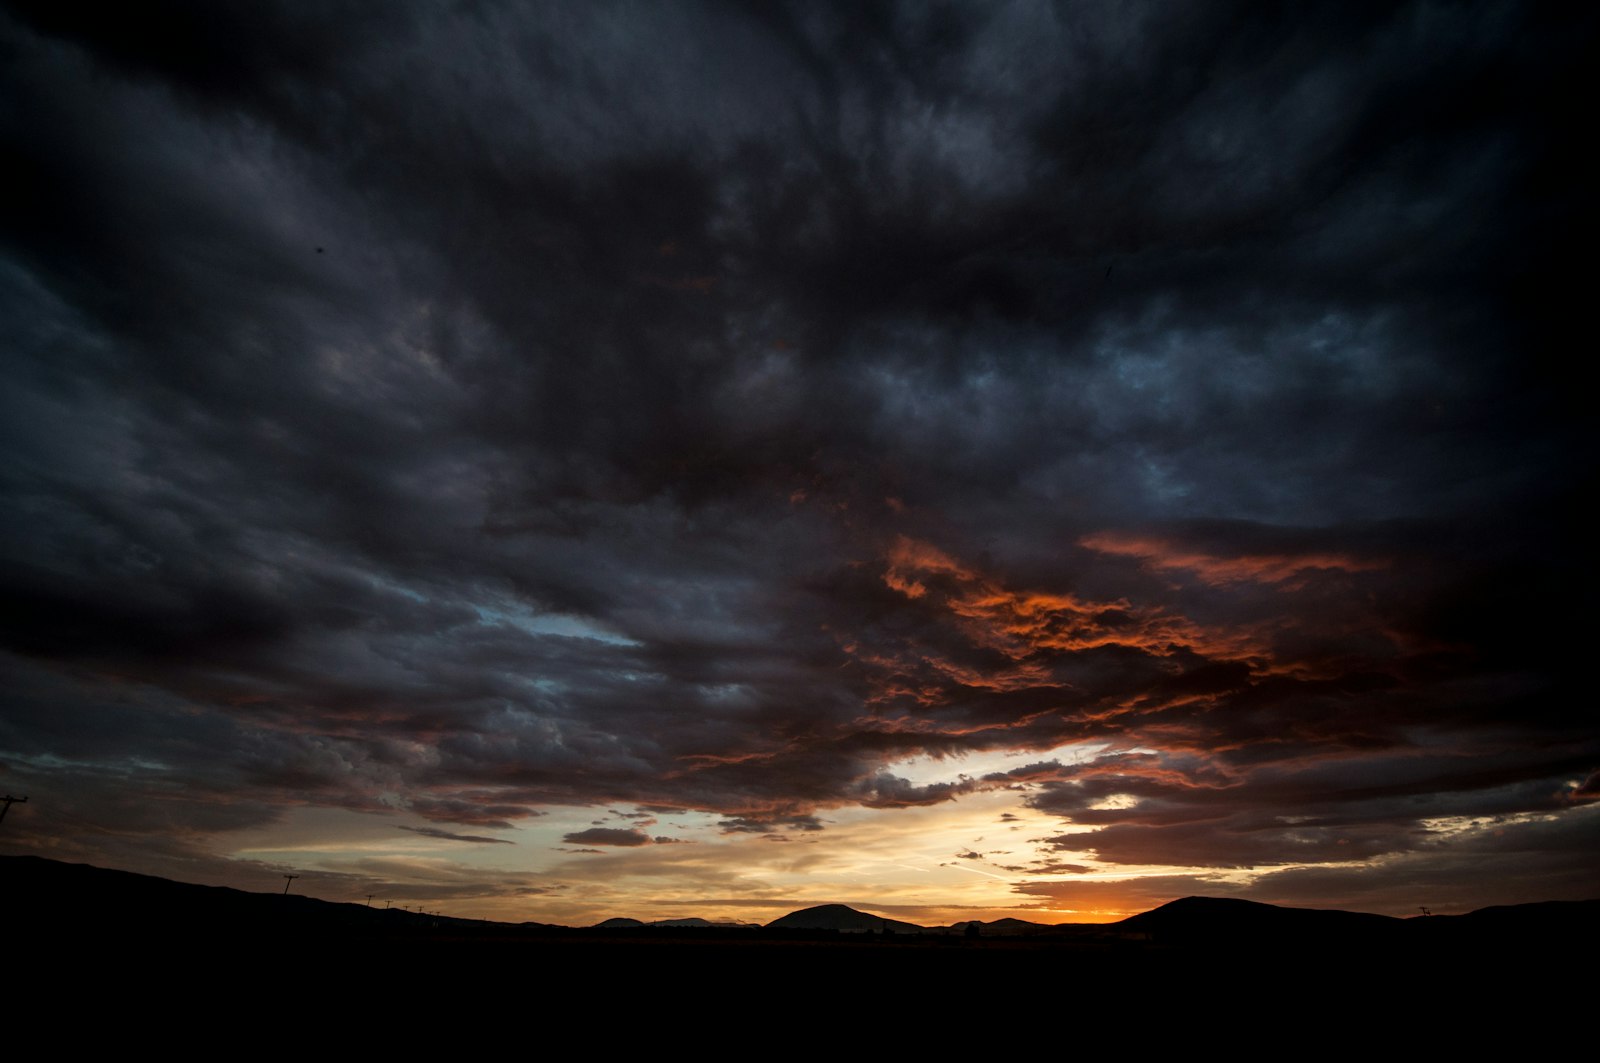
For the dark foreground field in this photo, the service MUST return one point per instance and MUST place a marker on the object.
(157, 951)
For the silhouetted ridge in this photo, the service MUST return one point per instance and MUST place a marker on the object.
(690, 921)
(1006, 927)
(94, 902)
(1212, 918)
(63, 903)
(1574, 922)
(842, 918)
(1544, 915)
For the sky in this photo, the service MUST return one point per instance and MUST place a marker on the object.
(564, 461)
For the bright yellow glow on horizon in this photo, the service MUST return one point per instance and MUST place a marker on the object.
(935, 864)
(984, 855)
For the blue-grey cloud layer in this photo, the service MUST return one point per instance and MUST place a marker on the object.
(474, 410)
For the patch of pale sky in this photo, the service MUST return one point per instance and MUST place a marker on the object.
(565, 624)
(925, 770)
(903, 861)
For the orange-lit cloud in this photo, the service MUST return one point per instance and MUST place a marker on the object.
(1027, 632)
(1286, 571)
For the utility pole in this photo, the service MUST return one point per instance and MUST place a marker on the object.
(369, 900)
(289, 883)
(8, 799)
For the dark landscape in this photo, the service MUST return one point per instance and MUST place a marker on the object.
(1001, 525)
(93, 925)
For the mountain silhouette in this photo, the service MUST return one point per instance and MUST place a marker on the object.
(1195, 919)
(231, 952)
(80, 901)
(1007, 927)
(692, 922)
(844, 919)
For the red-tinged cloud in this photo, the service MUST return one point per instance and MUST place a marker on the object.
(1020, 623)
(973, 642)
(1288, 572)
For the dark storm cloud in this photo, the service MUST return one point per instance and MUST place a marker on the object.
(608, 836)
(768, 823)
(704, 407)
(434, 832)
(1495, 860)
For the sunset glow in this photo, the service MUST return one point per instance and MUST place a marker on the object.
(963, 461)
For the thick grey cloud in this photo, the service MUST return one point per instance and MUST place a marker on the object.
(703, 407)
(623, 836)
(434, 832)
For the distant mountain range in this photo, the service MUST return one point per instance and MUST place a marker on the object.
(624, 923)
(142, 956)
(844, 919)
(83, 899)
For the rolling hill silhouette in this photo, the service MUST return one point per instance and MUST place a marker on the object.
(690, 922)
(844, 919)
(148, 943)
(80, 902)
(1199, 919)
